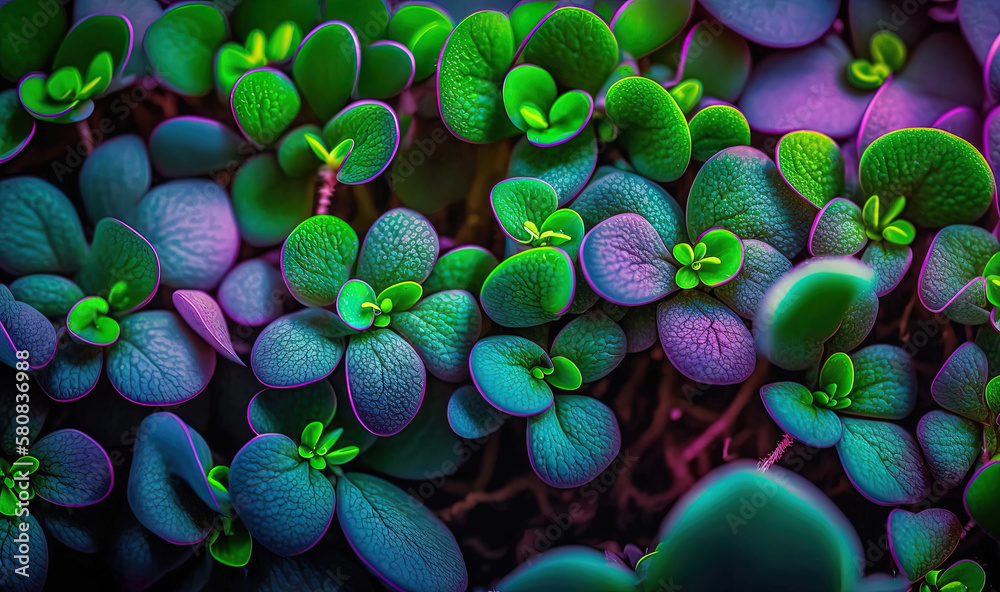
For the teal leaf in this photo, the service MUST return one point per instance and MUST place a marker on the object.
(573, 442)
(122, 267)
(575, 45)
(838, 229)
(651, 127)
(890, 262)
(22, 328)
(741, 190)
(51, 295)
(471, 416)
(289, 411)
(385, 380)
(566, 167)
(73, 371)
(471, 69)
(268, 203)
(762, 266)
(397, 537)
(960, 385)
(716, 128)
(980, 498)
(857, 324)
(191, 146)
(264, 102)
(41, 230)
(157, 360)
(374, 128)
(253, 293)
(317, 258)
(569, 568)
(885, 383)
(326, 67)
(705, 340)
(401, 246)
(951, 445)
(180, 46)
(464, 268)
(791, 406)
(618, 192)
(593, 342)
(298, 348)
(883, 462)
(639, 324)
(115, 177)
(191, 225)
(806, 307)
(922, 542)
(812, 165)
(530, 288)
(285, 504)
(509, 371)
(951, 277)
(442, 328)
(944, 179)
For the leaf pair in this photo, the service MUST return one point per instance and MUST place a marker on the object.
(532, 103)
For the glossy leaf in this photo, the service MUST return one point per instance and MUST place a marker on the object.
(122, 267)
(181, 43)
(571, 567)
(529, 288)
(326, 67)
(509, 371)
(423, 29)
(464, 268)
(791, 406)
(387, 69)
(642, 26)
(980, 498)
(812, 164)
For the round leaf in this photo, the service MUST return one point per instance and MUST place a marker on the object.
(298, 348)
(573, 442)
(812, 165)
(791, 406)
(317, 258)
(387, 69)
(566, 167)
(951, 445)
(575, 45)
(191, 146)
(502, 369)
(122, 268)
(642, 26)
(530, 288)
(471, 416)
(401, 246)
(625, 261)
(265, 102)
(269, 204)
(651, 127)
(181, 44)
(41, 230)
(883, 462)
(16, 125)
(716, 128)
(385, 380)
(74, 470)
(373, 127)
(326, 67)
(787, 25)
(520, 201)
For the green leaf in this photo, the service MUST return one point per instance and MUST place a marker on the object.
(575, 46)
(91, 36)
(423, 29)
(295, 155)
(565, 375)
(944, 179)
(375, 130)
(887, 48)
(651, 127)
(387, 69)
(521, 206)
(88, 322)
(265, 102)
(317, 258)
(16, 125)
(369, 18)
(528, 85)
(687, 94)
(311, 434)
(530, 288)
(980, 498)
(326, 68)
(181, 44)
(563, 229)
(400, 297)
(232, 548)
(569, 115)
(24, 50)
(899, 232)
(642, 26)
(122, 267)
(525, 16)
(838, 371)
(566, 167)
(357, 305)
(716, 128)
(473, 64)
(812, 165)
(967, 572)
(721, 257)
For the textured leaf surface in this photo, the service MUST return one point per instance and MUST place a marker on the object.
(716, 128)
(464, 268)
(289, 411)
(501, 369)
(470, 74)
(625, 261)
(619, 192)
(38, 555)
(960, 385)
(397, 537)
(24, 328)
(471, 416)
(41, 230)
(593, 342)
(298, 348)
(566, 167)
(120, 254)
(317, 258)
(885, 383)
(890, 262)
(883, 461)
(812, 164)
(921, 542)
(375, 130)
(762, 266)
(168, 490)
(529, 288)
(575, 46)
(157, 360)
(651, 127)
(73, 371)
(265, 102)
(741, 190)
(949, 278)
(790, 405)
(285, 504)
(838, 229)
(180, 45)
(951, 445)
(790, 24)
(705, 340)
(114, 177)
(944, 179)
(573, 442)
(442, 328)
(400, 247)
(73, 469)
(191, 225)
(253, 293)
(326, 67)
(385, 380)
(202, 313)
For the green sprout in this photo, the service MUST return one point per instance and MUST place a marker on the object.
(836, 380)
(886, 225)
(317, 447)
(714, 258)
(888, 56)
(259, 50)
(687, 94)
(333, 159)
(10, 476)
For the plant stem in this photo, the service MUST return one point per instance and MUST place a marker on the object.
(326, 191)
(775, 456)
